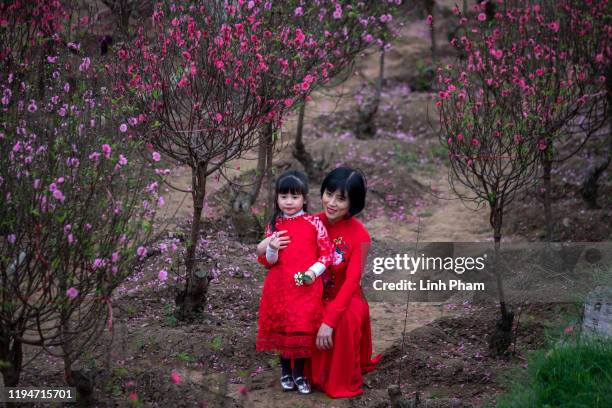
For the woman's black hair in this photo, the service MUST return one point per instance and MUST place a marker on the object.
(351, 183)
(290, 182)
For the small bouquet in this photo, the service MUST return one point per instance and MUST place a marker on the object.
(301, 278)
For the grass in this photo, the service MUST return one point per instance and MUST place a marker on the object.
(568, 375)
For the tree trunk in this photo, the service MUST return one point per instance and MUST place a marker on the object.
(244, 200)
(547, 169)
(193, 298)
(299, 150)
(590, 186)
(11, 354)
(501, 338)
(366, 114)
(270, 178)
(246, 224)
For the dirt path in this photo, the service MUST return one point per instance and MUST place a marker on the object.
(446, 219)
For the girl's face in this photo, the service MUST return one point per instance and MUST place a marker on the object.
(290, 203)
(335, 205)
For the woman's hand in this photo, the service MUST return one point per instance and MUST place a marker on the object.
(277, 241)
(324, 337)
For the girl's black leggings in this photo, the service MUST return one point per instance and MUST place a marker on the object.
(298, 367)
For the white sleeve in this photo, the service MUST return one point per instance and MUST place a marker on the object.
(318, 268)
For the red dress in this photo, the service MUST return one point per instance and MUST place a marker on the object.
(290, 315)
(338, 371)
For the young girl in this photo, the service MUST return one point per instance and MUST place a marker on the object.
(290, 312)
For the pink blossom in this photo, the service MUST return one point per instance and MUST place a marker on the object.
(141, 252)
(32, 106)
(122, 160)
(599, 57)
(568, 329)
(156, 156)
(475, 142)
(160, 201)
(114, 257)
(298, 11)
(430, 19)
(12, 238)
(460, 137)
(542, 145)
(175, 377)
(482, 17)
(175, 22)
(554, 26)
(85, 64)
(250, 4)
(219, 64)
(70, 239)
(66, 87)
(163, 275)
(132, 396)
(218, 117)
(288, 102)
(98, 263)
(518, 138)
(369, 38)
(72, 292)
(123, 128)
(299, 36)
(107, 150)
(183, 82)
(52, 59)
(337, 13)
(58, 195)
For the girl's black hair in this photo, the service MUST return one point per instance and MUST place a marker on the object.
(351, 183)
(290, 182)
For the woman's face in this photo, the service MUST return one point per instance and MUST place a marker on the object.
(335, 205)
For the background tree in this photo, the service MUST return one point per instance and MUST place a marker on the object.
(73, 220)
(214, 77)
(505, 105)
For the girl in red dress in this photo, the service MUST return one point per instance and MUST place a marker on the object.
(344, 340)
(291, 307)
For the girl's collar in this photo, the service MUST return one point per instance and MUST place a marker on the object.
(297, 214)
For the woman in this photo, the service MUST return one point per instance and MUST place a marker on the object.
(344, 340)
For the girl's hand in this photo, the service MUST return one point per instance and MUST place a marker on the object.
(277, 241)
(312, 277)
(324, 337)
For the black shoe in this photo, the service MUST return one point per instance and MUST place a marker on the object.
(303, 386)
(287, 383)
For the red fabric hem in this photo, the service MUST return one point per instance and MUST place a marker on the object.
(371, 366)
(301, 353)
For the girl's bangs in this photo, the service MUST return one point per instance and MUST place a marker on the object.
(291, 185)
